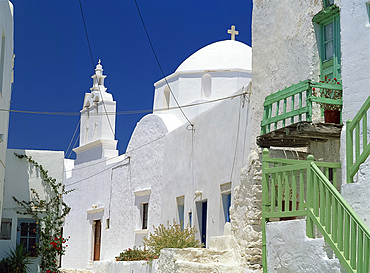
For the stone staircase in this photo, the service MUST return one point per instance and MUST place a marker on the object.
(287, 243)
(221, 256)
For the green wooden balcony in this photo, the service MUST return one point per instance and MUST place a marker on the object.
(288, 114)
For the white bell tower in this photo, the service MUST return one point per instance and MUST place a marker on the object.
(98, 120)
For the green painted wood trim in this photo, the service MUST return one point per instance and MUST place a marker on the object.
(328, 238)
(364, 108)
(327, 101)
(287, 92)
(351, 140)
(345, 232)
(282, 117)
(325, 14)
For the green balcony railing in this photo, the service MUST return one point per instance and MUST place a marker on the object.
(357, 145)
(309, 189)
(294, 104)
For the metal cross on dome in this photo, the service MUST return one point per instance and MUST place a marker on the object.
(233, 32)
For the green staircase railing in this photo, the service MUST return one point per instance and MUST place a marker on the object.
(294, 104)
(353, 141)
(293, 188)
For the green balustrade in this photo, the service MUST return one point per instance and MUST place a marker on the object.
(294, 104)
(355, 141)
(310, 190)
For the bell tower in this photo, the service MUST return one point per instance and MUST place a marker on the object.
(97, 125)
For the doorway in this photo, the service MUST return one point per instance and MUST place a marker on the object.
(202, 221)
(97, 239)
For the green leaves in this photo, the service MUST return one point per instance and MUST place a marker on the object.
(172, 236)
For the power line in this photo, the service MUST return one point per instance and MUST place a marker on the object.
(92, 62)
(127, 152)
(87, 36)
(119, 113)
(159, 65)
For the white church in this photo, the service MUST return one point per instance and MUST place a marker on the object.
(195, 158)
(181, 163)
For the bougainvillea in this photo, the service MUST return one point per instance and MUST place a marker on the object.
(49, 214)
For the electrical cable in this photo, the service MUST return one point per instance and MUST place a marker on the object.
(127, 152)
(237, 138)
(92, 62)
(119, 113)
(79, 121)
(159, 65)
(87, 36)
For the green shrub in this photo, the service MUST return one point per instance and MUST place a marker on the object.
(172, 236)
(135, 254)
(16, 261)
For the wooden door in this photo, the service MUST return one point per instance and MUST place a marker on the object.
(97, 239)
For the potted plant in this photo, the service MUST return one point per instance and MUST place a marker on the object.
(331, 111)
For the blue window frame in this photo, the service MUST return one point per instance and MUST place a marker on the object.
(27, 235)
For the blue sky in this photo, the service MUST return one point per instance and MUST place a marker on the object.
(53, 65)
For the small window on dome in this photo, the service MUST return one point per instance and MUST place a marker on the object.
(206, 86)
(166, 98)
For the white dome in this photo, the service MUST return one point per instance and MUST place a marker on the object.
(223, 55)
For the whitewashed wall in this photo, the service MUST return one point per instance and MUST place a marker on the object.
(20, 178)
(6, 27)
(203, 160)
(355, 30)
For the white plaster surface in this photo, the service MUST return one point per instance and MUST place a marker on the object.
(6, 79)
(355, 29)
(21, 177)
(292, 251)
(223, 55)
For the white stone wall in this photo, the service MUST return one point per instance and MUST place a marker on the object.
(20, 178)
(293, 251)
(355, 29)
(6, 79)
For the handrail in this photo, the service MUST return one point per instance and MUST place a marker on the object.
(294, 103)
(351, 126)
(317, 199)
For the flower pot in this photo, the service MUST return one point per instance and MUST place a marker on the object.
(332, 116)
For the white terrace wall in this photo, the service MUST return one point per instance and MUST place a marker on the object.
(6, 79)
(355, 30)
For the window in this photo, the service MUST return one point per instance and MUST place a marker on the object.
(329, 41)
(190, 219)
(206, 85)
(328, 3)
(368, 12)
(166, 98)
(145, 216)
(6, 229)
(27, 236)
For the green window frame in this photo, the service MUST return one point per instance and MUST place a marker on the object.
(328, 3)
(329, 42)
